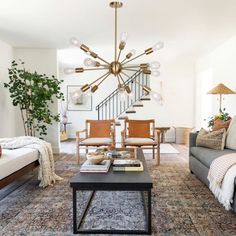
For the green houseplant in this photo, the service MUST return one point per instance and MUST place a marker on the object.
(222, 117)
(33, 93)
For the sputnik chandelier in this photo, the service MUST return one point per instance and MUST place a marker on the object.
(119, 67)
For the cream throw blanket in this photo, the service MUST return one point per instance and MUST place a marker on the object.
(46, 173)
(221, 177)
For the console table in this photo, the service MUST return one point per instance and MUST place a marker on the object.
(112, 181)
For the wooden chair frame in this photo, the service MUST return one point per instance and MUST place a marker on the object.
(79, 139)
(154, 135)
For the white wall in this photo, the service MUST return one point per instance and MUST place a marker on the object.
(42, 61)
(222, 63)
(177, 74)
(7, 111)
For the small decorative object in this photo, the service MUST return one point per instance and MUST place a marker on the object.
(64, 118)
(219, 121)
(76, 100)
(95, 158)
(221, 89)
(0, 151)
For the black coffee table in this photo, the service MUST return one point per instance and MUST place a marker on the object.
(112, 181)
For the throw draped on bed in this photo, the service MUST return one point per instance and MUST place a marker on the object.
(46, 174)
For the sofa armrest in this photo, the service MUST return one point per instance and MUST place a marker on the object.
(192, 140)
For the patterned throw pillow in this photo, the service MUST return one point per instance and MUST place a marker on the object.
(214, 140)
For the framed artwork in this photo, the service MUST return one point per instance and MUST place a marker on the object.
(76, 100)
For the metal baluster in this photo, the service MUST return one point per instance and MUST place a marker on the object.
(117, 105)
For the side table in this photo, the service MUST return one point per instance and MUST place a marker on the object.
(163, 131)
(63, 133)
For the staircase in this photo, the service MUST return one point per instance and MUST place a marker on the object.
(113, 108)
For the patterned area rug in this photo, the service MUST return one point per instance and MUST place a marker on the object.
(182, 205)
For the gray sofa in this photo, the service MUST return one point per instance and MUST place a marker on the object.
(200, 159)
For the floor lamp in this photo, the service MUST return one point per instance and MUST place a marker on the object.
(221, 89)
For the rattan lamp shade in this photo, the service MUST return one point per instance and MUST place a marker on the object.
(221, 89)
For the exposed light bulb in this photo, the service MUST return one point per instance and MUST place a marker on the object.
(154, 65)
(155, 73)
(158, 46)
(122, 95)
(69, 71)
(89, 62)
(74, 41)
(133, 52)
(123, 37)
(156, 96)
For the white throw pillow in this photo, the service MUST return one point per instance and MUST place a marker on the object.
(231, 135)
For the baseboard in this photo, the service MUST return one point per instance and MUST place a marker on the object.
(55, 149)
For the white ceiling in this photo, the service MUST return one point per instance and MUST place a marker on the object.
(186, 26)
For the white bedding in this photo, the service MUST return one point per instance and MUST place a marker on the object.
(15, 159)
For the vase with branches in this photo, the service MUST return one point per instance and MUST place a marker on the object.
(33, 93)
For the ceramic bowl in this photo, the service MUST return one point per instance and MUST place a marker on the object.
(95, 158)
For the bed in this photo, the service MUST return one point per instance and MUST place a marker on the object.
(15, 163)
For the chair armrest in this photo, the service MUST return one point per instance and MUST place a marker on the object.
(192, 139)
(78, 138)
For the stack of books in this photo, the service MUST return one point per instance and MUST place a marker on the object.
(127, 165)
(102, 167)
(117, 154)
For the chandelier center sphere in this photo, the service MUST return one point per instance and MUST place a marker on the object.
(115, 67)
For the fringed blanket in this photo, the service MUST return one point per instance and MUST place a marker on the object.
(221, 177)
(46, 173)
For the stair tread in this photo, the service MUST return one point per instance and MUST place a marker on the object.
(123, 117)
(145, 99)
(130, 112)
(138, 105)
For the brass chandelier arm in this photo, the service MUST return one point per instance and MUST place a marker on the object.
(127, 67)
(122, 72)
(134, 58)
(118, 80)
(130, 69)
(98, 79)
(87, 69)
(107, 74)
(103, 60)
(119, 55)
(122, 79)
(123, 60)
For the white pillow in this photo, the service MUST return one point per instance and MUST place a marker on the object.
(231, 135)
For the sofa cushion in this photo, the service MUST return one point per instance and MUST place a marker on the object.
(214, 140)
(231, 135)
(96, 141)
(207, 155)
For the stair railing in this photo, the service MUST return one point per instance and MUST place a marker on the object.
(112, 107)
